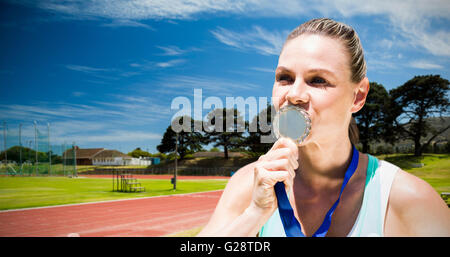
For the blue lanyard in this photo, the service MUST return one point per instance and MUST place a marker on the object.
(291, 225)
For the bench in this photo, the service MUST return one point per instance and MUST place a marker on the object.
(129, 184)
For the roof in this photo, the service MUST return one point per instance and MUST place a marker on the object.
(86, 153)
(110, 154)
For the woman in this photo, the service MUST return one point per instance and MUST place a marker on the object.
(321, 69)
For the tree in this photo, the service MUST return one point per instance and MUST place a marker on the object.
(415, 101)
(371, 118)
(214, 150)
(262, 123)
(136, 153)
(27, 154)
(225, 127)
(188, 142)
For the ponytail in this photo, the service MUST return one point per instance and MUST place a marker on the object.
(353, 132)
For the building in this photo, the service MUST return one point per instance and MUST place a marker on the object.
(83, 156)
(116, 158)
(142, 161)
(103, 157)
(111, 157)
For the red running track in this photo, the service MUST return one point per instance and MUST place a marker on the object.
(152, 216)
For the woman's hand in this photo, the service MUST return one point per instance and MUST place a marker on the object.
(277, 165)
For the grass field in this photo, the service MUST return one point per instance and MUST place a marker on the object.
(24, 192)
(436, 169)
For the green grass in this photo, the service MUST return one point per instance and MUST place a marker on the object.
(436, 169)
(24, 192)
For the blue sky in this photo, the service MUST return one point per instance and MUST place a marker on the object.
(104, 73)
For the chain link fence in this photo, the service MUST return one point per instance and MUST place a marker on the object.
(30, 152)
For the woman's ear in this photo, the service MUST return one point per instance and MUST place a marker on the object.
(362, 89)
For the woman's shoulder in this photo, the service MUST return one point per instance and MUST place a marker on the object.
(408, 189)
(415, 207)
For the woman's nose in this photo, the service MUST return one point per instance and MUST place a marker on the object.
(297, 94)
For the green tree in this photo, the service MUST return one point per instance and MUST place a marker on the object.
(214, 149)
(415, 101)
(260, 127)
(16, 153)
(189, 141)
(225, 127)
(136, 153)
(371, 118)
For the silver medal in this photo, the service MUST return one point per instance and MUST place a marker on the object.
(292, 122)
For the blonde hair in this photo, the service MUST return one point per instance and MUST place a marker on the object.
(350, 40)
(341, 31)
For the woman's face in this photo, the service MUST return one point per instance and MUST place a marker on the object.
(313, 73)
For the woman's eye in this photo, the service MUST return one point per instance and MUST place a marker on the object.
(318, 81)
(285, 79)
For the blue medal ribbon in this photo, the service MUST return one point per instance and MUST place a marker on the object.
(291, 225)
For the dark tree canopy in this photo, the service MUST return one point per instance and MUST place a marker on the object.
(262, 123)
(225, 127)
(415, 101)
(371, 118)
(188, 141)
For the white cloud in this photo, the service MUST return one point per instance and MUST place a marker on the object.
(266, 70)
(120, 119)
(425, 65)
(140, 9)
(171, 50)
(86, 69)
(107, 136)
(411, 19)
(170, 63)
(127, 23)
(151, 65)
(210, 85)
(258, 39)
(78, 93)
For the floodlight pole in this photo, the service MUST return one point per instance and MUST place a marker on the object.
(49, 149)
(4, 143)
(75, 158)
(64, 157)
(36, 163)
(20, 148)
(176, 166)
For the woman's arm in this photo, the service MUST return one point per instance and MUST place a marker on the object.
(231, 210)
(249, 198)
(415, 209)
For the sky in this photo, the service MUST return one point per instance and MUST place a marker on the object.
(104, 73)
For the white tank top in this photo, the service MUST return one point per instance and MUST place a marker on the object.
(370, 220)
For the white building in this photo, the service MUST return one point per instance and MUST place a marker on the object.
(116, 158)
(141, 161)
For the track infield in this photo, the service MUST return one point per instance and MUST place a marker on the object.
(151, 216)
